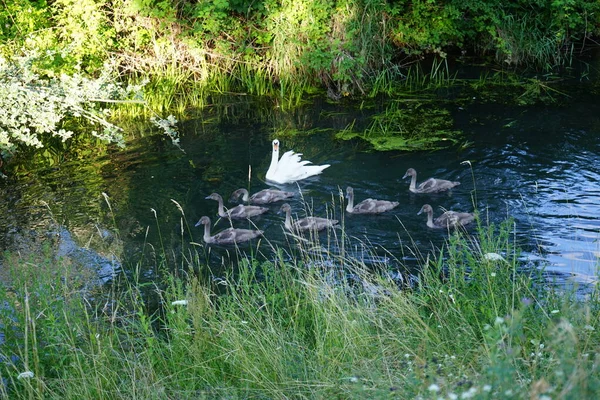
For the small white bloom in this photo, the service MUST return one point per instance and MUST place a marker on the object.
(509, 392)
(554, 311)
(245, 322)
(493, 257)
(498, 321)
(469, 394)
(25, 375)
(452, 396)
(487, 388)
(544, 397)
(589, 328)
(179, 303)
(353, 379)
(493, 274)
(433, 388)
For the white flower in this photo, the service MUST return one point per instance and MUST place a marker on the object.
(25, 375)
(493, 257)
(554, 311)
(433, 388)
(179, 303)
(589, 328)
(487, 388)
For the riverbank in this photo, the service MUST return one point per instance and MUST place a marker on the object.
(478, 324)
(286, 49)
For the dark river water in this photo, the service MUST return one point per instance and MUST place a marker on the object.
(538, 164)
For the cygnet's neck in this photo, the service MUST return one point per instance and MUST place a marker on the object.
(288, 220)
(207, 237)
(430, 219)
(350, 206)
(413, 182)
(221, 209)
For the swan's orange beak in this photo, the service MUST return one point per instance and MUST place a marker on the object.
(275, 146)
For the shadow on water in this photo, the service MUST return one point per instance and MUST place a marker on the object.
(540, 165)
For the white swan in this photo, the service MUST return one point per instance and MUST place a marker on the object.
(289, 168)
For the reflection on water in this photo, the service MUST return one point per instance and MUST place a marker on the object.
(538, 165)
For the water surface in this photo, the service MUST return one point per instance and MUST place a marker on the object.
(537, 164)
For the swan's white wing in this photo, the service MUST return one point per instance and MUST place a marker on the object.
(292, 168)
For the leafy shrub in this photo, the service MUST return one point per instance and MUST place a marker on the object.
(35, 108)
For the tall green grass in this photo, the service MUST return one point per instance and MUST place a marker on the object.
(310, 320)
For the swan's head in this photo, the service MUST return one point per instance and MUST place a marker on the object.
(275, 146)
(425, 209)
(349, 192)
(236, 195)
(285, 208)
(409, 172)
(203, 221)
(214, 196)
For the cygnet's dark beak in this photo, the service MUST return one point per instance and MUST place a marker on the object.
(198, 224)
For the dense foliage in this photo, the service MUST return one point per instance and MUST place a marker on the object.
(342, 45)
(282, 48)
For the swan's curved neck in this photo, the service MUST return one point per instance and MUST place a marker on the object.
(274, 161)
(413, 182)
(245, 197)
(430, 219)
(350, 206)
(288, 220)
(207, 237)
(221, 210)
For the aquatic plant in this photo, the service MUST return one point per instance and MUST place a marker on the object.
(407, 125)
